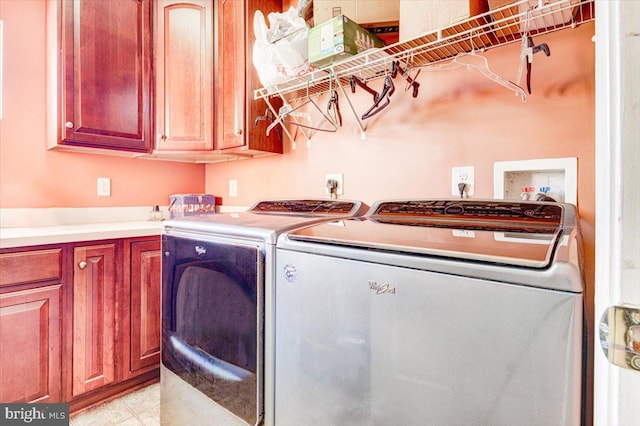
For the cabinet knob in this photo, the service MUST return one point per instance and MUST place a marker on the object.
(237, 132)
(68, 125)
(82, 264)
(162, 137)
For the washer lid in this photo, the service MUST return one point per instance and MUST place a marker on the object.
(519, 234)
(267, 219)
(309, 207)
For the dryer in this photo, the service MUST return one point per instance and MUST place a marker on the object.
(217, 310)
(432, 312)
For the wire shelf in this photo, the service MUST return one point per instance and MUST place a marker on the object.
(496, 28)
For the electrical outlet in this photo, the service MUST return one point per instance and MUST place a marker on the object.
(233, 187)
(338, 177)
(104, 187)
(462, 175)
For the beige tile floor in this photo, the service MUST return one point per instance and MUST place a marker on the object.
(141, 407)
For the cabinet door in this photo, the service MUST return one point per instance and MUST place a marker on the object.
(106, 74)
(237, 79)
(230, 67)
(94, 281)
(184, 75)
(144, 313)
(31, 344)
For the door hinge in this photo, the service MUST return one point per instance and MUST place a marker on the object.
(620, 336)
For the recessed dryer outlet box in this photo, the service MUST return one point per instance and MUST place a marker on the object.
(523, 180)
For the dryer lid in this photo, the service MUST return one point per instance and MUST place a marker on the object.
(507, 233)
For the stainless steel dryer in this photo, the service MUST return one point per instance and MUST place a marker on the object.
(432, 312)
(217, 310)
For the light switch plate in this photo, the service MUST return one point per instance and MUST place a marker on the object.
(233, 187)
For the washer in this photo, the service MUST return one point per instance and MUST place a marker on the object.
(217, 310)
(432, 312)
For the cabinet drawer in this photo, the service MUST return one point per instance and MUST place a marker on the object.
(24, 267)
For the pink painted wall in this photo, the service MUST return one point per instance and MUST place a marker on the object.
(31, 176)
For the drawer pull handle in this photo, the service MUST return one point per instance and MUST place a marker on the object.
(82, 264)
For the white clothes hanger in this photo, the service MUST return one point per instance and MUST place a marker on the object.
(471, 60)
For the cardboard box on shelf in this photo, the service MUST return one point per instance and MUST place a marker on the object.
(338, 38)
(361, 11)
(418, 17)
(560, 12)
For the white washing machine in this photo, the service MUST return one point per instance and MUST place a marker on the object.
(432, 312)
(217, 310)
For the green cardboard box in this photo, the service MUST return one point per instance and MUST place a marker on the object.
(338, 38)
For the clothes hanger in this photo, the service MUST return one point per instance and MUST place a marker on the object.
(472, 60)
(293, 112)
(383, 99)
(333, 105)
(527, 50)
(333, 108)
(353, 81)
(411, 81)
(268, 116)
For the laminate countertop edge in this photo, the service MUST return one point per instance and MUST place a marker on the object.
(33, 236)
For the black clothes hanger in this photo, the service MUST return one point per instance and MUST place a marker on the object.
(383, 99)
(411, 82)
(353, 81)
(334, 104)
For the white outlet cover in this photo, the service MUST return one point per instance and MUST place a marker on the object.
(465, 175)
(233, 187)
(104, 187)
(339, 177)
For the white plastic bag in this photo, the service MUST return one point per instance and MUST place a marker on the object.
(280, 52)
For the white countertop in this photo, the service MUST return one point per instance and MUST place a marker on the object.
(37, 226)
(19, 237)
(29, 227)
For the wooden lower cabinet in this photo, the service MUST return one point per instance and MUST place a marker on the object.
(141, 303)
(79, 322)
(94, 321)
(30, 363)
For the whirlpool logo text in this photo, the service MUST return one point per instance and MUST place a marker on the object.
(385, 288)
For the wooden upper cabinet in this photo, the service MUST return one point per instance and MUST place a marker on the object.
(102, 54)
(184, 75)
(237, 79)
(230, 123)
